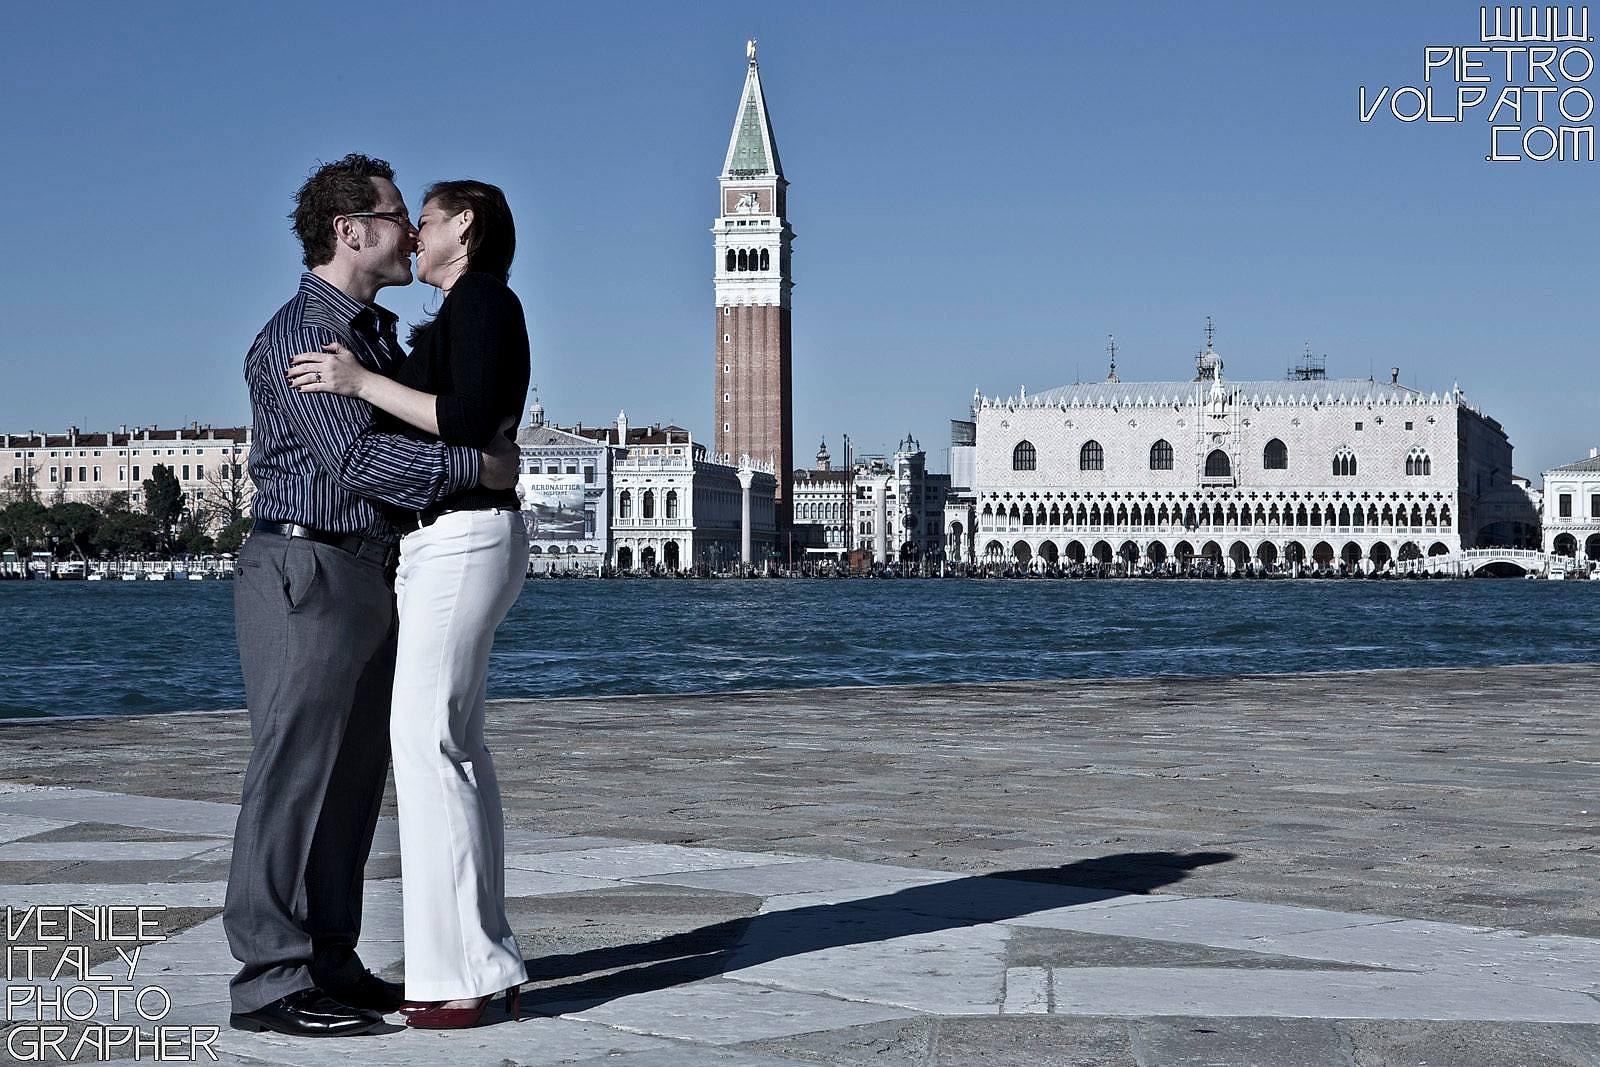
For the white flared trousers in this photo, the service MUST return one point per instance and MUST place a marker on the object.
(457, 579)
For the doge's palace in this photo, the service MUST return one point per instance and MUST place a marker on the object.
(1307, 472)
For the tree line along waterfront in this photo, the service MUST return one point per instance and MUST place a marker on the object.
(110, 529)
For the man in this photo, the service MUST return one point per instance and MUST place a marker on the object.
(314, 610)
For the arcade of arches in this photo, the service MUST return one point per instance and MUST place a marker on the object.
(652, 555)
(1360, 532)
(1567, 545)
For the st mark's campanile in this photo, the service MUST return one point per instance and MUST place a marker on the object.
(753, 403)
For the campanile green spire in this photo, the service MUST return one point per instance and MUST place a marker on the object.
(752, 151)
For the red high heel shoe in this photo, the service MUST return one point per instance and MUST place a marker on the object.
(435, 1017)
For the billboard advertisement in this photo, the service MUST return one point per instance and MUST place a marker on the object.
(553, 505)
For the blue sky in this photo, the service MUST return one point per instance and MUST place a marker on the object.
(981, 194)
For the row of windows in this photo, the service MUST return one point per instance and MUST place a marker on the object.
(84, 453)
(748, 259)
(64, 475)
(572, 468)
(1564, 506)
(1274, 457)
(805, 510)
(1207, 515)
(647, 504)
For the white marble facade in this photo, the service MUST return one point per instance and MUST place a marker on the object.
(675, 507)
(1251, 474)
(900, 506)
(1572, 509)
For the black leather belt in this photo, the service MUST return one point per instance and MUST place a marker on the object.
(380, 552)
(416, 520)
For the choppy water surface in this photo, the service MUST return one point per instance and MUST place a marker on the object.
(74, 648)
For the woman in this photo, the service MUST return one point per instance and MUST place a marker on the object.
(462, 563)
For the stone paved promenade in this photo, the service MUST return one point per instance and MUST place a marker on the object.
(1354, 869)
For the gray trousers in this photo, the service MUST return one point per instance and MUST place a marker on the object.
(316, 629)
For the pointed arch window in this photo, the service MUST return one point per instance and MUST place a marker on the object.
(1091, 457)
(1344, 463)
(1024, 457)
(1161, 456)
(1275, 457)
(1218, 464)
(1418, 462)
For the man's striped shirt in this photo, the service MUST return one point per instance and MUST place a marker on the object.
(316, 458)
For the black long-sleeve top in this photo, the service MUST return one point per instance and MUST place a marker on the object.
(474, 358)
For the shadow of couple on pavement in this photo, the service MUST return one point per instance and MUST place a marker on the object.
(955, 903)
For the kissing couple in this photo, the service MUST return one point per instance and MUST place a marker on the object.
(387, 545)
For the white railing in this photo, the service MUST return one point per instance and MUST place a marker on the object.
(1531, 560)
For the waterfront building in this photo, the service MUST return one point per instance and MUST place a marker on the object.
(1572, 508)
(824, 508)
(753, 402)
(900, 506)
(208, 461)
(565, 486)
(1306, 471)
(673, 506)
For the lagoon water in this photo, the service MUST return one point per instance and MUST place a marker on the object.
(77, 648)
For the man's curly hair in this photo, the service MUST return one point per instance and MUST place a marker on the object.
(334, 189)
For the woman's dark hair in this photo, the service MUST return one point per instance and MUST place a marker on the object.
(334, 189)
(492, 237)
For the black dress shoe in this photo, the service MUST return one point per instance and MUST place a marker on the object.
(368, 991)
(308, 1013)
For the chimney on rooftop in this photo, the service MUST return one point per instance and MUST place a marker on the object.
(1394, 375)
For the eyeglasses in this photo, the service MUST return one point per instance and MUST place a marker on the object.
(396, 217)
